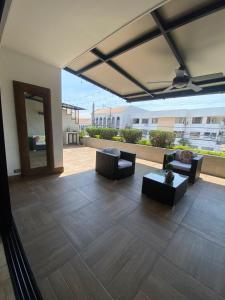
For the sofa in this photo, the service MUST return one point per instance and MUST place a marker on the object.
(115, 164)
(190, 167)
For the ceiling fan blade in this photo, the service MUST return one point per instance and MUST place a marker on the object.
(206, 77)
(159, 81)
(194, 87)
(168, 89)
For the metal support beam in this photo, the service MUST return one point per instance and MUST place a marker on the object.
(93, 82)
(199, 83)
(168, 27)
(120, 70)
(218, 89)
(160, 23)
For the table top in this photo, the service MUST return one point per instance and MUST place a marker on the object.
(159, 176)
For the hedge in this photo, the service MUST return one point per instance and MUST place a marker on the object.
(159, 138)
(144, 142)
(93, 131)
(131, 135)
(200, 151)
(103, 133)
(118, 138)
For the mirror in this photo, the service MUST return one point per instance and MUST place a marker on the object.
(34, 128)
(36, 131)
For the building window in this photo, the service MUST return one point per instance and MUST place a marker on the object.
(144, 121)
(195, 135)
(108, 122)
(206, 135)
(210, 135)
(154, 120)
(180, 120)
(212, 120)
(113, 122)
(135, 121)
(197, 120)
(118, 122)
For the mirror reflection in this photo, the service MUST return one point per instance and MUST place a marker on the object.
(36, 131)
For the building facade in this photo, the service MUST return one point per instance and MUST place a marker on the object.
(202, 128)
(117, 117)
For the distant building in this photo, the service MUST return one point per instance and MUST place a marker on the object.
(70, 123)
(117, 117)
(204, 128)
(84, 123)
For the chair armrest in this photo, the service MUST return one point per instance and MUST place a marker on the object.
(197, 158)
(196, 163)
(165, 157)
(106, 160)
(128, 156)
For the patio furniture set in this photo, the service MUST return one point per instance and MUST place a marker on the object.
(186, 166)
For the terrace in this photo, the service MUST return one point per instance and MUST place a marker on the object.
(67, 232)
(87, 237)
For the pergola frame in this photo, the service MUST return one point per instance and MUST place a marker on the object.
(163, 29)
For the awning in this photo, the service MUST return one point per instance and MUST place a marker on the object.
(138, 62)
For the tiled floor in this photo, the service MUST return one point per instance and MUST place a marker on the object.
(6, 288)
(87, 237)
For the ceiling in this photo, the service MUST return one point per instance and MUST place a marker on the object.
(56, 31)
(125, 49)
(186, 34)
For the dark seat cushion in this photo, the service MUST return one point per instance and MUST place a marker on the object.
(176, 164)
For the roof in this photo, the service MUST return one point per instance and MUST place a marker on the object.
(65, 105)
(84, 121)
(178, 34)
(185, 112)
(113, 110)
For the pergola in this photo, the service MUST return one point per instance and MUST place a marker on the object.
(179, 34)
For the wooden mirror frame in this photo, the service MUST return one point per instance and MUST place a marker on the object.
(19, 89)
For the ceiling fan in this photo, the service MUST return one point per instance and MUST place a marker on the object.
(182, 80)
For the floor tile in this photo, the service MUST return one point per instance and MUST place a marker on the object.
(199, 257)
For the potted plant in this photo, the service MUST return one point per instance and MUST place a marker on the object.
(169, 176)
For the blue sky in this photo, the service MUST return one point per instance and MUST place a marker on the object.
(82, 93)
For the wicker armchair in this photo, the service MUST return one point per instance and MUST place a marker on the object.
(191, 170)
(113, 166)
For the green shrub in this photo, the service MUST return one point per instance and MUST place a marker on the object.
(82, 133)
(131, 135)
(108, 133)
(118, 138)
(162, 139)
(103, 133)
(184, 142)
(144, 142)
(200, 151)
(97, 136)
(93, 131)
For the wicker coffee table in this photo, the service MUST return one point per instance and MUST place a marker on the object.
(155, 187)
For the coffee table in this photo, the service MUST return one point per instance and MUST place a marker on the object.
(154, 186)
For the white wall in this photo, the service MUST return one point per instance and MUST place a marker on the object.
(14, 66)
(68, 122)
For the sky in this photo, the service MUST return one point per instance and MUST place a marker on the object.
(82, 93)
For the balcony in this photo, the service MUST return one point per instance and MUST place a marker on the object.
(93, 238)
